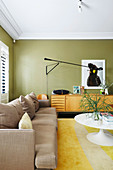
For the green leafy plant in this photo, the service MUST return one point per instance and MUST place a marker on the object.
(94, 103)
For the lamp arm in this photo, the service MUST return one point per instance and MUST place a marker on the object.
(47, 72)
(64, 62)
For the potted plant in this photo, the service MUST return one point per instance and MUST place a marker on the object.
(94, 103)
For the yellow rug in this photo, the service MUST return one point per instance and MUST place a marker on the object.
(70, 153)
(75, 152)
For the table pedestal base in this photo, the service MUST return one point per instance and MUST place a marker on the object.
(101, 138)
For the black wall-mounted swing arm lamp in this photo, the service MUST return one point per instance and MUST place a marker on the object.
(58, 62)
(47, 72)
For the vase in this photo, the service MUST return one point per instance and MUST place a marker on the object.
(106, 91)
(96, 115)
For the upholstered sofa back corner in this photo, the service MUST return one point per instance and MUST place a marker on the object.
(44, 103)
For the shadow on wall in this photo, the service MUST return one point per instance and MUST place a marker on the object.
(110, 91)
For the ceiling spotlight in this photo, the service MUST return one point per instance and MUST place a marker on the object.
(80, 5)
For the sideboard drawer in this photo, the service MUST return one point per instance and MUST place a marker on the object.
(58, 101)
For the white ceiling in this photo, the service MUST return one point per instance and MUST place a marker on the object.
(57, 19)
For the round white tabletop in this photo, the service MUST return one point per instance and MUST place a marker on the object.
(100, 138)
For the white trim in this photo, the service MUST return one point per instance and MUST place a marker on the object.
(4, 97)
(8, 23)
(76, 36)
(5, 47)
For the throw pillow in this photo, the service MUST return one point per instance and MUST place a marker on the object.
(16, 103)
(30, 100)
(9, 117)
(27, 106)
(35, 100)
(25, 122)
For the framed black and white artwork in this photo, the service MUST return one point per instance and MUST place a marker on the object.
(93, 73)
(76, 89)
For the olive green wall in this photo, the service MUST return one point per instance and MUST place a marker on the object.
(6, 39)
(27, 69)
(30, 67)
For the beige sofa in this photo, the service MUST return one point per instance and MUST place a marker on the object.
(28, 149)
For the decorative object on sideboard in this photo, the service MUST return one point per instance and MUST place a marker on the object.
(60, 92)
(81, 90)
(76, 89)
(105, 87)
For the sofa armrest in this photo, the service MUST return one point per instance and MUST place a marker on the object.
(44, 103)
(17, 149)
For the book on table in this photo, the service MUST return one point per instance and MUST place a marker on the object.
(108, 118)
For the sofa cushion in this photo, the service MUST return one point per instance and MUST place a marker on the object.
(46, 146)
(47, 110)
(35, 100)
(16, 103)
(25, 122)
(9, 116)
(45, 119)
(27, 105)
